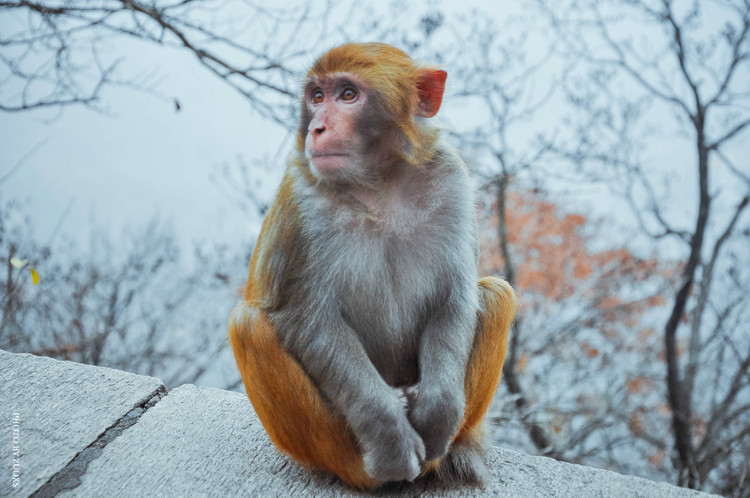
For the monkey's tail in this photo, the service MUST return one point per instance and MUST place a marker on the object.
(498, 302)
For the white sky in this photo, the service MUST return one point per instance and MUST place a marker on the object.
(140, 160)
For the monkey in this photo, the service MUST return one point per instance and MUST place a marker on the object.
(367, 344)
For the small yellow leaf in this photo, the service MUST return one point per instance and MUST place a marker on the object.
(34, 276)
(18, 263)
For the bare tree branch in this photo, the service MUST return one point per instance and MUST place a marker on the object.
(43, 56)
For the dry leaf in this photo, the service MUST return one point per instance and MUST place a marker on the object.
(18, 263)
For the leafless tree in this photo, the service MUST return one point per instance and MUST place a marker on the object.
(128, 304)
(494, 80)
(59, 53)
(689, 61)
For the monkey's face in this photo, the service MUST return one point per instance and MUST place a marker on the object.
(339, 129)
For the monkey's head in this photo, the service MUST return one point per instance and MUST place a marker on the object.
(361, 110)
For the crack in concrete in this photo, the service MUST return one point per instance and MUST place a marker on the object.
(70, 476)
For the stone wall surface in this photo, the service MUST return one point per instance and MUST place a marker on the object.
(93, 431)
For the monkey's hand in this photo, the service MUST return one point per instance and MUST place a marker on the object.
(406, 395)
(435, 414)
(393, 451)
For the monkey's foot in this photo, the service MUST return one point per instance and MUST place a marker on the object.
(463, 464)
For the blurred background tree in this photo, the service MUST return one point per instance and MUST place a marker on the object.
(631, 351)
(690, 65)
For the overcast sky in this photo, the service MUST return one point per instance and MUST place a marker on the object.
(142, 159)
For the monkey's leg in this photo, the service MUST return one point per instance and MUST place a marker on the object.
(295, 416)
(464, 461)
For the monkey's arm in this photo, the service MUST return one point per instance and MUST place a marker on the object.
(331, 354)
(447, 339)
(443, 356)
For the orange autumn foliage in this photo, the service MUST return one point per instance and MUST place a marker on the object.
(638, 385)
(589, 351)
(523, 360)
(657, 459)
(589, 304)
(635, 424)
(553, 259)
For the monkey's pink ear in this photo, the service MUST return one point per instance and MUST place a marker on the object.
(431, 85)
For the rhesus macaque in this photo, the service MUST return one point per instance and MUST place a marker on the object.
(367, 344)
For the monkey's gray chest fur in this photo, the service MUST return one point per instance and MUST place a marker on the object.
(385, 301)
(385, 288)
(386, 264)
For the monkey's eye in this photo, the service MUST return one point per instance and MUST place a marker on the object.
(349, 93)
(317, 96)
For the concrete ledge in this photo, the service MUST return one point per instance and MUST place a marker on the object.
(61, 408)
(90, 431)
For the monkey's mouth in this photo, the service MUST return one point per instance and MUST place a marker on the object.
(326, 162)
